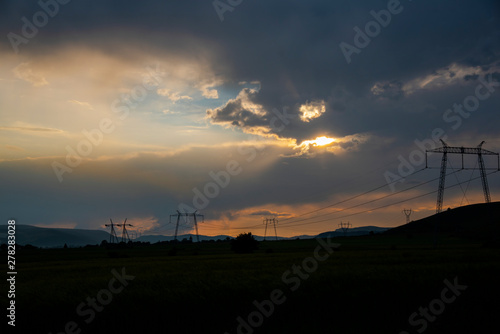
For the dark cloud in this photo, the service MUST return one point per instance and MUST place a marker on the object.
(391, 90)
(269, 213)
(241, 112)
(471, 77)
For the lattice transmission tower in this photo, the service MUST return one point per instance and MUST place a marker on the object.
(407, 213)
(273, 221)
(479, 151)
(345, 227)
(187, 215)
(125, 236)
(112, 233)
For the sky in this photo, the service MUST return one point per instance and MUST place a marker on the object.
(310, 112)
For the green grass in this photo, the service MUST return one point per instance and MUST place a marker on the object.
(371, 285)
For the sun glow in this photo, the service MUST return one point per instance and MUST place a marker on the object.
(319, 141)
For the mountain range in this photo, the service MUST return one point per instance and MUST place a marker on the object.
(54, 237)
(478, 221)
(58, 237)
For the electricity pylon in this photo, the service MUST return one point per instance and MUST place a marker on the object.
(187, 215)
(274, 221)
(125, 236)
(112, 234)
(407, 213)
(345, 227)
(479, 151)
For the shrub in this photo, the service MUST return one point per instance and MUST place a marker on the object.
(244, 243)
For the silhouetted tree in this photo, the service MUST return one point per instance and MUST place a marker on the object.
(244, 243)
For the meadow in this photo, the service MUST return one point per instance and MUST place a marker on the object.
(371, 284)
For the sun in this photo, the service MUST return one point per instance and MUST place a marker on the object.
(321, 141)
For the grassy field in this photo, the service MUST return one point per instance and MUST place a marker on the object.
(371, 284)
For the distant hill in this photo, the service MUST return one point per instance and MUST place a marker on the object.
(355, 231)
(477, 221)
(54, 237)
(156, 238)
(272, 237)
(159, 238)
(57, 237)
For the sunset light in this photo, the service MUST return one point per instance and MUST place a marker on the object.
(319, 141)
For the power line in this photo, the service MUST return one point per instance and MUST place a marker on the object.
(456, 176)
(381, 207)
(341, 202)
(368, 202)
(322, 192)
(365, 211)
(293, 223)
(468, 183)
(351, 198)
(245, 227)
